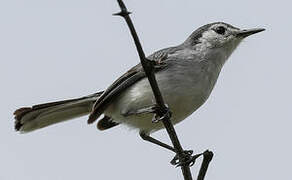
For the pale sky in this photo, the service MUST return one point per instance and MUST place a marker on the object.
(57, 49)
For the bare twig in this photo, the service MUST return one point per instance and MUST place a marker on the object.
(207, 157)
(163, 109)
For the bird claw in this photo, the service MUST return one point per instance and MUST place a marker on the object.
(156, 118)
(188, 159)
(186, 154)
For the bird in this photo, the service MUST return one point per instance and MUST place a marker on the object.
(186, 75)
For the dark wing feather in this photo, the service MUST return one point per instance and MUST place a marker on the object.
(129, 78)
(106, 123)
(126, 80)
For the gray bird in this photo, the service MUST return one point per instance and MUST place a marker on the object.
(186, 75)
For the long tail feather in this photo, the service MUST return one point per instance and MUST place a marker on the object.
(39, 116)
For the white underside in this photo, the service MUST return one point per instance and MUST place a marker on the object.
(184, 90)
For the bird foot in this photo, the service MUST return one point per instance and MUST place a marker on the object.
(187, 159)
(156, 118)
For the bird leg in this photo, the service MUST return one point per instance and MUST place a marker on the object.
(144, 110)
(148, 138)
(150, 109)
(187, 155)
(188, 158)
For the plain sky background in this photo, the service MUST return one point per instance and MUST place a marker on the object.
(56, 49)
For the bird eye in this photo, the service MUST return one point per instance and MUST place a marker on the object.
(220, 30)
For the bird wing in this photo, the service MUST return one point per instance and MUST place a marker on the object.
(126, 80)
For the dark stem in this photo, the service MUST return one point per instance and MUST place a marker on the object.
(149, 71)
(207, 157)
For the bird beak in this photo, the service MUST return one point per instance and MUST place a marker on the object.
(247, 32)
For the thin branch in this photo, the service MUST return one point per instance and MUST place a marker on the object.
(207, 157)
(163, 109)
(149, 71)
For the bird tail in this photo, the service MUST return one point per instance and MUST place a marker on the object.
(39, 116)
